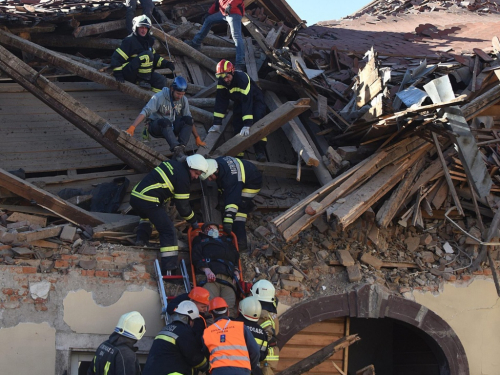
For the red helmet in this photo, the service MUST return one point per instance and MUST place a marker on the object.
(200, 295)
(224, 67)
(218, 303)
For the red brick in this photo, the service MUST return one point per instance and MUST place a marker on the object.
(478, 272)
(282, 293)
(297, 294)
(466, 277)
(8, 291)
(144, 276)
(69, 257)
(101, 273)
(61, 264)
(13, 298)
(115, 273)
(84, 272)
(29, 269)
(5, 247)
(40, 307)
(104, 258)
(487, 272)
(91, 273)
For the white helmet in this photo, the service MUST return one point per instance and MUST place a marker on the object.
(141, 21)
(198, 162)
(250, 308)
(263, 290)
(212, 167)
(131, 325)
(187, 308)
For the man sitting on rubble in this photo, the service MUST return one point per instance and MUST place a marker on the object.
(239, 181)
(171, 179)
(168, 116)
(135, 60)
(217, 257)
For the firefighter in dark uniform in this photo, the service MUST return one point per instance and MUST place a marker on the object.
(201, 298)
(218, 259)
(116, 356)
(248, 108)
(176, 349)
(171, 179)
(250, 310)
(135, 60)
(239, 181)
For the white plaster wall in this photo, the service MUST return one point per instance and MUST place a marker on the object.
(83, 315)
(28, 348)
(474, 314)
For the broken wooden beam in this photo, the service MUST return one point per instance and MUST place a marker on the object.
(99, 28)
(47, 200)
(131, 151)
(40, 234)
(263, 127)
(320, 356)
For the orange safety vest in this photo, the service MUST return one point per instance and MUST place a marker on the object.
(225, 340)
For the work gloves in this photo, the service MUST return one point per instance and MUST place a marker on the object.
(210, 275)
(199, 142)
(168, 64)
(130, 131)
(228, 10)
(195, 225)
(245, 131)
(214, 128)
(119, 77)
(228, 228)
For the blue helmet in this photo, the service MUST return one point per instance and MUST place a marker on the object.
(179, 84)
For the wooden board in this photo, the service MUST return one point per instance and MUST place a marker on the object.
(310, 340)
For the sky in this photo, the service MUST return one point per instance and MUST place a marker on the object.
(314, 11)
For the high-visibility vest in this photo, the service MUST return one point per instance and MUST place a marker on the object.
(225, 340)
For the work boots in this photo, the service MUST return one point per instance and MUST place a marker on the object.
(179, 153)
(144, 85)
(191, 44)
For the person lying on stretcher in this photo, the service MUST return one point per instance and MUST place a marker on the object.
(214, 254)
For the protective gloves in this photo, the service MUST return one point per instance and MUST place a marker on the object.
(214, 128)
(228, 228)
(130, 131)
(199, 142)
(245, 131)
(195, 225)
(228, 9)
(169, 65)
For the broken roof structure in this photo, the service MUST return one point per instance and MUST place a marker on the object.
(384, 159)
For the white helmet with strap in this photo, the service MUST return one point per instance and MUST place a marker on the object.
(250, 308)
(141, 21)
(212, 168)
(188, 308)
(131, 325)
(264, 291)
(197, 162)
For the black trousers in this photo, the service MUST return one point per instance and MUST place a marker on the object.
(175, 134)
(258, 112)
(141, 68)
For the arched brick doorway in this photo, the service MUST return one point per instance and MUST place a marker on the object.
(371, 301)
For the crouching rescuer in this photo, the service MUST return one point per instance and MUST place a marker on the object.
(170, 180)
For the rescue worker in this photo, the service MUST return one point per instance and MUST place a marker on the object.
(250, 311)
(176, 350)
(248, 108)
(116, 356)
(131, 5)
(135, 60)
(232, 348)
(201, 298)
(240, 181)
(217, 257)
(168, 116)
(171, 179)
(266, 294)
(231, 11)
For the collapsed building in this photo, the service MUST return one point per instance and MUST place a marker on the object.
(379, 212)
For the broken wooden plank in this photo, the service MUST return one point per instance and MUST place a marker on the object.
(293, 133)
(127, 224)
(213, 137)
(447, 176)
(263, 127)
(320, 356)
(32, 219)
(131, 151)
(46, 200)
(40, 234)
(250, 60)
(98, 28)
(391, 206)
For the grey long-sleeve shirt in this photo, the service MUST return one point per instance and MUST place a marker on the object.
(160, 106)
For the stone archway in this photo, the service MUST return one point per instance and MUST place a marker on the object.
(372, 301)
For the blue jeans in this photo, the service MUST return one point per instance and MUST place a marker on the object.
(234, 21)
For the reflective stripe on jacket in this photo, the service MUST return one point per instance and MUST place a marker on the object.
(225, 340)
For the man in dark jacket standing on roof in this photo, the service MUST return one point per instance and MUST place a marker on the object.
(135, 60)
(239, 181)
(248, 108)
(231, 11)
(116, 356)
(171, 179)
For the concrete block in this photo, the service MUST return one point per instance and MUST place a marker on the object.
(321, 224)
(68, 233)
(263, 231)
(284, 269)
(427, 257)
(412, 243)
(345, 258)
(290, 285)
(354, 273)
(88, 264)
